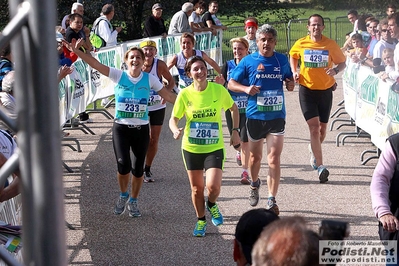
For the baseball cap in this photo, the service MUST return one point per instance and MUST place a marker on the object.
(250, 226)
(148, 43)
(156, 6)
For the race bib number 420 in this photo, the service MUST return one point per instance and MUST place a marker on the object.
(316, 58)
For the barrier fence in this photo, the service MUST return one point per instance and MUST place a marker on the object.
(289, 32)
(372, 103)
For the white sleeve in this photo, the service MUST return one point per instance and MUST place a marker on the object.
(115, 74)
(191, 18)
(155, 84)
(377, 51)
(105, 32)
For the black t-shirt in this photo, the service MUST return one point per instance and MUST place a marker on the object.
(71, 34)
(154, 27)
(207, 16)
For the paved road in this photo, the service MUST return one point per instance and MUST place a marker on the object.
(162, 236)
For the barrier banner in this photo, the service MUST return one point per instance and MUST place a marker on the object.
(350, 80)
(371, 102)
(86, 85)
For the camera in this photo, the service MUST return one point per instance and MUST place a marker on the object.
(333, 230)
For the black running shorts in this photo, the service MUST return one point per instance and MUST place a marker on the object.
(156, 117)
(315, 103)
(242, 126)
(259, 129)
(201, 161)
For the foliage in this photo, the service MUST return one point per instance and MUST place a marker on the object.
(4, 13)
(263, 11)
(379, 5)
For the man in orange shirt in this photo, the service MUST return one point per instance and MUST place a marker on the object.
(318, 55)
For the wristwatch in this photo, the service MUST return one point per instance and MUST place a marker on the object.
(237, 129)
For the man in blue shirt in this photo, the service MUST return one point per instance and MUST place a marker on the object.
(265, 70)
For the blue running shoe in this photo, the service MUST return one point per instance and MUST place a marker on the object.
(200, 229)
(323, 174)
(120, 205)
(217, 218)
(133, 209)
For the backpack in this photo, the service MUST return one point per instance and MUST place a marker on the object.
(95, 39)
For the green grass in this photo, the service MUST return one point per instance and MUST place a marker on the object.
(336, 26)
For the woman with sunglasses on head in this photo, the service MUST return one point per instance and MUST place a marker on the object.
(202, 145)
(240, 48)
(131, 129)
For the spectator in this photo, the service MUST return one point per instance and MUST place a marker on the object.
(74, 31)
(8, 147)
(352, 17)
(195, 20)
(286, 242)
(248, 230)
(372, 30)
(76, 8)
(103, 28)
(316, 84)
(389, 63)
(187, 42)
(64, 71)
(179, 22)
(385, 41)
(362, 29)
(387, 58)
(358, 52)
(261, 76)
(130, 130)
(6, 64)
(202, 144)
(63, 60)
(156, 105)
(393, 27)
(384, 190)
(7, 100)
(210, 19)
(155, 24)
(251, 25)
(391, 8)
(240, 50)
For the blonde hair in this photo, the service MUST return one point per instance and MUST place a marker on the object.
(388, 51)
(241, 40)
